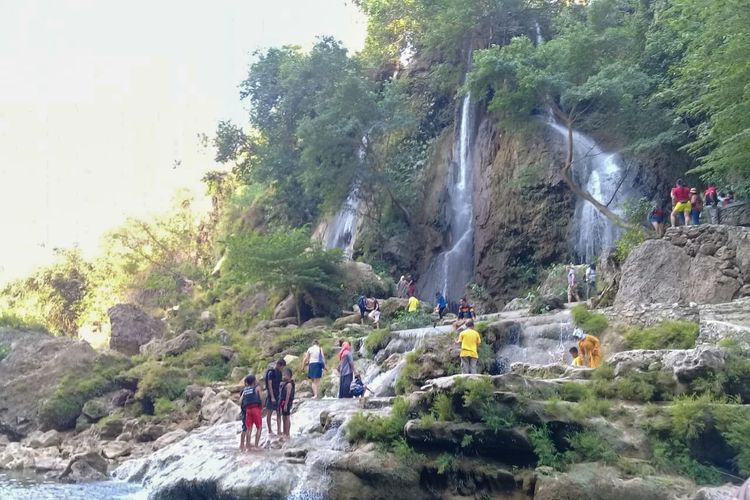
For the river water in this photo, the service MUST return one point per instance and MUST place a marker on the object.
(25, 486)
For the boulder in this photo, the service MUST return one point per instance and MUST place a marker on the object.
(315, 322)
(726, 492)
(715, 258)
(45, 440)
(341, 323)
(35, 363)
(685, 364)
(97, 408)
(238, 373)
(254, 303)
(736, 214)
(216, 409)
(170, 438)
(517, 304)
(226, 353)
(725, 321)
(286, 308)
(283, 322)
(390, 306)
(111, 428)
(82, 423)
(510, 446)
(49, 459)
(360, 278)
(159, 348)
(121, 397)
(131, 328)
(116, 449)
(150, 432)
(85, 467)
(16, 456)
(290, 358)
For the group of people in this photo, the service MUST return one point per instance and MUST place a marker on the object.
(588, 353)
(688, 204)
(589, 278)
(406, 287)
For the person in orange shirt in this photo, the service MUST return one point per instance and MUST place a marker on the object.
(589, 349)
(469, 341)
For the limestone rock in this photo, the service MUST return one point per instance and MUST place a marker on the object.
(47, 439)
(150, 432)
(716, 259)
(132, 328)
(16, 456)
(215, 409)
(170, 438)
(111, 428)
(726, 492)
(121, 397)
(315, 322)
(725, 321)
(82, 423)
(341, 323)
(194, 391)
(360, 278)
(685, 364)
(116, 449)
(238, 373)
(35, 363)
(159, 348)
(96, 409)
(517, 304)
(390, 306)
(84, 467)
(286, 308)
(227, 353)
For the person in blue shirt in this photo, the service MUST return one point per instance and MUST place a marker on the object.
(440, 304)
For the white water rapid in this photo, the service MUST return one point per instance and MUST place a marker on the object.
(341, 229)
(452, 269)
(600, 174)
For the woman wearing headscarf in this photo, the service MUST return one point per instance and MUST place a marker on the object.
(589, 348)
(346, 369)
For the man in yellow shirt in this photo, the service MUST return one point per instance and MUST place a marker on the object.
(413, 304)
(469, 340)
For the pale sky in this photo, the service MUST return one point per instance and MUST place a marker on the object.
(99, 98)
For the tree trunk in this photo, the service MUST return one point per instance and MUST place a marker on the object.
(578, 190)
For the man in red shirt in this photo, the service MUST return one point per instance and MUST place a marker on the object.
(681, 202)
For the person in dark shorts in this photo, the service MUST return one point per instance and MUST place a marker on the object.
(273, 383)
(252, 407)
(286, 399)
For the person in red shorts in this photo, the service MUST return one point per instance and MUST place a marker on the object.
(252, 409)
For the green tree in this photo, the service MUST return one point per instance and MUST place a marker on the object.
(288, 262)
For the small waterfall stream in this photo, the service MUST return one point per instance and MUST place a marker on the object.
(452, 269)
(341, 229)
(600, 174)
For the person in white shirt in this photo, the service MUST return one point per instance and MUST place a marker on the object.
(590, 279)
(315, 363)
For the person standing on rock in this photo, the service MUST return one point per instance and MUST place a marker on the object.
(362, 305)
(681, 202)
(589, 348)
(346, 369)
(469, 341)
(441, 305)
(315, 362)
(656, 218)
(413, 305)
(252, 409)
(286, 399)
(273, 382)
(696, 204)
(402, 287)
(411, 289)
(572, 284)
(590, 279)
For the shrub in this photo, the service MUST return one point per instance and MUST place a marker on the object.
(86, 381)
(405, 380)
(573, 391)
(407, 321)
(382, 430)
(163, 407)
(545, 448)
(591, 407)
(588, 321)
(665, 335)
(442, 408)
(406, 453)
(672, 455)
(628, 242)
(445, 463)
(12, 320)
(377, 340)
(588, 446)
(158, 381)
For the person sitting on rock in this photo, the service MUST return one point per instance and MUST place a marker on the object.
(589, 348)
(358, 388)
(413, 304)
(681, 202)
(374, 307)
(577, 362)
(251, 405)
(465, 313)
(469, 340)
(286, 399)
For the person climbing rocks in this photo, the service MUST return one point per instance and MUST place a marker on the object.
(413, 305)
(272, 383)
(572, 284)
(589, 348)
(729, 199)
(346, 369)
(251, 405)
(576, 358)
(681, 202)
(469, 341)
(696, 206)
(286, 399)
(465, 314)
(656, 218)
(402, 287)
(374, 307)
(441, 305)
(362, 305)
(411, 288)
(589, 278)
(315, 362)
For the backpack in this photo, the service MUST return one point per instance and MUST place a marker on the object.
(362, 303)
(357, 388)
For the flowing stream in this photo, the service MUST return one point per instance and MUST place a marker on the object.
(600, 173)
(452, 269)
(341, 229)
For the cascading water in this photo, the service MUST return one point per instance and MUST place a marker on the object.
(452, 269)
(600, 174)
(342, 227)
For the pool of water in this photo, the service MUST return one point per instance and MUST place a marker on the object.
(26, 486)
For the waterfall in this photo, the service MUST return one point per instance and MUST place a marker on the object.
(341, 229)
(452, 269)
(538, 33)
(600, 174)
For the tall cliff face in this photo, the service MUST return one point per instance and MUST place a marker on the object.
(522, 208)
